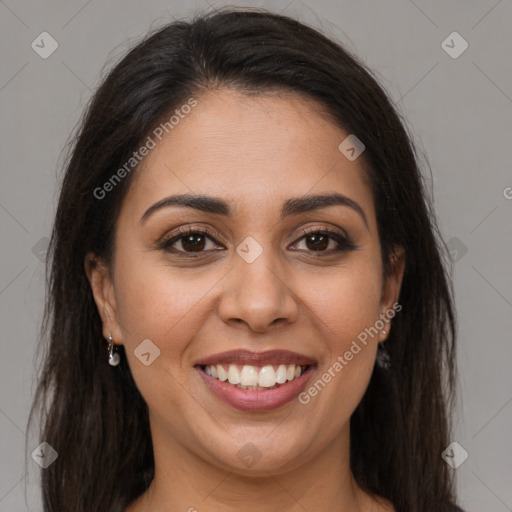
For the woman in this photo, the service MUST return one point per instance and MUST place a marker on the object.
(248, 303)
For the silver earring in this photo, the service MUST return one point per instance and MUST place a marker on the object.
(383, 359)
(113, 357)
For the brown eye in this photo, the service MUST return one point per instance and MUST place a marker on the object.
(189, 241)
(318, 241)
(193, 243)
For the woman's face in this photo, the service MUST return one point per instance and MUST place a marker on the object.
(253, 283)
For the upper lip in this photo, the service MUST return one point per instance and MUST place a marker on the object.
(248, 357)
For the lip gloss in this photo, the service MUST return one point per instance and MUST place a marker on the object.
(249, 400)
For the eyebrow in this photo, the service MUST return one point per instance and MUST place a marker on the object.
(292, 206)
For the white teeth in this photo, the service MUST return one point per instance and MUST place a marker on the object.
(221, 373)
(233, 374)
(281, 374)
(267, 377)
(253, 377)
(249, 376)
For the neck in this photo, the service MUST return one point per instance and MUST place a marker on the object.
(184, 481)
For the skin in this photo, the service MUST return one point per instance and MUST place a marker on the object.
(254, 152)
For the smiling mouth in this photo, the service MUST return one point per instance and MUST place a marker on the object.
(255, 378)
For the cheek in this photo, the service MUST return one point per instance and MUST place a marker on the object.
(347, 307)
(347, 301)
(150, 303)
(163, 303)
(154, 303)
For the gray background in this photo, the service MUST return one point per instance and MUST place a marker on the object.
(459, 111)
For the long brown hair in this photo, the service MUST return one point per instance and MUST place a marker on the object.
(92, 414)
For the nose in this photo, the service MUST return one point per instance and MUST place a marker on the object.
(258, 295)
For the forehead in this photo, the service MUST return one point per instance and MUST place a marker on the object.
(254, 151)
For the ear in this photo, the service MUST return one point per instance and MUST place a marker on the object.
(391, 289)
(102, 287)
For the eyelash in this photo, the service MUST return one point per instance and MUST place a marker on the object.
(345, 243)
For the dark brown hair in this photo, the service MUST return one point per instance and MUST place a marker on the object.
(93, 414)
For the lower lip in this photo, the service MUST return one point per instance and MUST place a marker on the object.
(247, 400)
